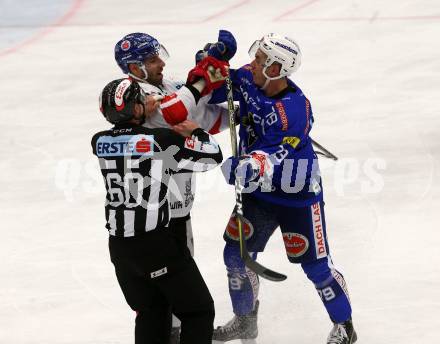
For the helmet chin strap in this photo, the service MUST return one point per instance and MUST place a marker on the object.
(142, 119)
(144, 70)
(136, 78)
(266, 83)
(268, 78)
(144, 116)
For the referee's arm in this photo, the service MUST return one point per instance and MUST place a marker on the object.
(198, 152)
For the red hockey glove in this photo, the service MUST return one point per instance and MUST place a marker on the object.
(213, 71)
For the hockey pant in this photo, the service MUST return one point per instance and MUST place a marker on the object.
(181, 226)
(155, 292)
(305, 241)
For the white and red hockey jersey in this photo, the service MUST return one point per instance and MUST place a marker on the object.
(211, 117)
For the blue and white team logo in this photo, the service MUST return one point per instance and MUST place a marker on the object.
(125, 145)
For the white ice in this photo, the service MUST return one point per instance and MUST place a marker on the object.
(372, 73)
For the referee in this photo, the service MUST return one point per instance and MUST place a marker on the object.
(155, 271)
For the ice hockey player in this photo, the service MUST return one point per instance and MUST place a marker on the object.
(142, 57)
(155, 272)
(279, 169)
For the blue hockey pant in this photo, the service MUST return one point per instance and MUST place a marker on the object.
(305, 240)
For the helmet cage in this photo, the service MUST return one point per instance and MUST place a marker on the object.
(141, 55)
(141, 61)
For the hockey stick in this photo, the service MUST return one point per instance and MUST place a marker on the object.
(324, 152)
(244, 253)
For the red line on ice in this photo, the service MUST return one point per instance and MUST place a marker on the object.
(295, 9)
(48, 29)
(372, 18)
(193, 22)
(216, 15)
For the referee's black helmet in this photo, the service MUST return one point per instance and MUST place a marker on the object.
(118, 98)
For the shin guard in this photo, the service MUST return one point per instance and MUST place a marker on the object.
(243, 283)
(331, 287)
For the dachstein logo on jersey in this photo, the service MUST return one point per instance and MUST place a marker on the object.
(125, 145)
(296, 244)
(232, 229)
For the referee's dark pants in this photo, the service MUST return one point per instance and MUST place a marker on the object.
(158, 277)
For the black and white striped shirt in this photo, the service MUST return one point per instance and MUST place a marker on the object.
(136, 163)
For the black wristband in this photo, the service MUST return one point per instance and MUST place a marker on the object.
(194, 92)
(202, 135)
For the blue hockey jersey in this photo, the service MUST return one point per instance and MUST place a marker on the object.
(277, 127)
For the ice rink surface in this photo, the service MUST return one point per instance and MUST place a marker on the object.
(372, 72)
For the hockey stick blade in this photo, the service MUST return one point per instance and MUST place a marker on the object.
(244, 253)
(262, 271)
(325, 152)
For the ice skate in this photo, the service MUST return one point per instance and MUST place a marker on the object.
(343, 333)
(240, 327)
(175, 335)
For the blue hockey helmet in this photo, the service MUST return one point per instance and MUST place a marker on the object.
(136, 48)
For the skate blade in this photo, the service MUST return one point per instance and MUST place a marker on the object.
(243, 341)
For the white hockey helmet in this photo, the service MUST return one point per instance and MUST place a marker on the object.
(279, 49)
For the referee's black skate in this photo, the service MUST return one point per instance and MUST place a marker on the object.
(343, 333)
(240, 327)
(175, 335)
